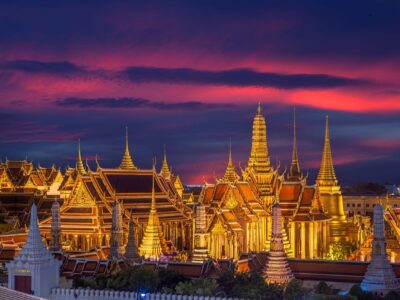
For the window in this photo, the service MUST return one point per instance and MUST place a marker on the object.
(354, 205)
(348, 204)
(366, 205)
(358, 205)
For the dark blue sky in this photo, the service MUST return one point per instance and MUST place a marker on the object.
(190, 75)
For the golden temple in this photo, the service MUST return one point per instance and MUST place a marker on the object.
(126, 212)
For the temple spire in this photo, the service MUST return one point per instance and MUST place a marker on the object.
(55, 227)
(294, 172)
(127, 162)
(326, 175)
(116, 236)
(131, 253)
(165, 171)
(277, 269)
(259, 156)
(230, 172)
(153, 244)
(79, 163)
(379, 277)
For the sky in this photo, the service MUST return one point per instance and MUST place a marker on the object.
(189, 74)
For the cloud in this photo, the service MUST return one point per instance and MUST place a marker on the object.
(240, 77)
(133, 103)
(33, 66)
(237, 77)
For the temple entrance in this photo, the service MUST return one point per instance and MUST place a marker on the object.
(23, 284)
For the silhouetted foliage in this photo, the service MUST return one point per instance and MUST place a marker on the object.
(294, 290)
(323, 288)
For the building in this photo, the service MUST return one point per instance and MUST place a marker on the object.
(34, 270)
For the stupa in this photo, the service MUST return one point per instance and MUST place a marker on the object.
(277, 270)
(34, 270)
(379, 277)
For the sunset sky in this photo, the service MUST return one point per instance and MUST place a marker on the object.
(190, 75)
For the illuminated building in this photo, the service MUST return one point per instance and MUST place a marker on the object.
(153, 243)
(88, 197)
(379, 277)
(277, 268)
(110, 208)
(331, 195)
(131, 252)
(34, 269)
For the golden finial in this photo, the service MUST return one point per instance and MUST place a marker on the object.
(79, 164)
(127, 162)
(165, 170)
(230, 172)
(259, 108)
(97, 163)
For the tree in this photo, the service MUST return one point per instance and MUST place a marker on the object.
(197, 287)
(392, 295)
(323, 288)
(169, 279)
(294, 290)
(341, 249)
(134, 279)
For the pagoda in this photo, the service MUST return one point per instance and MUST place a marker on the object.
(153, 243)
(330, 192)
(200, 251)
(259, 170)
(116, 238)
(34, 270)
(379, 277)
(55, 227)
(277, 270)
(131, 252)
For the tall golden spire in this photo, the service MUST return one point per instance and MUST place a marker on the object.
(294, 172)
(326, 175)
(153, 243)
(230, 172)
(127, 162)
(79, 163)
(165, 171)
(259, 155)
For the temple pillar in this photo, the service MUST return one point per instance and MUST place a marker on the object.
(303, 240)
(324, 238)
(292, 237)
(311, 239)
(316, 240)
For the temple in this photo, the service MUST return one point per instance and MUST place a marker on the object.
(34, 270)
(125, 213)
(379, 277)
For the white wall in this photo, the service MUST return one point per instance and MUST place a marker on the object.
(81, 294)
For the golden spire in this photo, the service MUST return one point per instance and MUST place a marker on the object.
(326, 175)
(294, 172)
(165, 171)
(79, 163)
(127, 162)
(153, 243)
(259, 156)
(230, 172)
